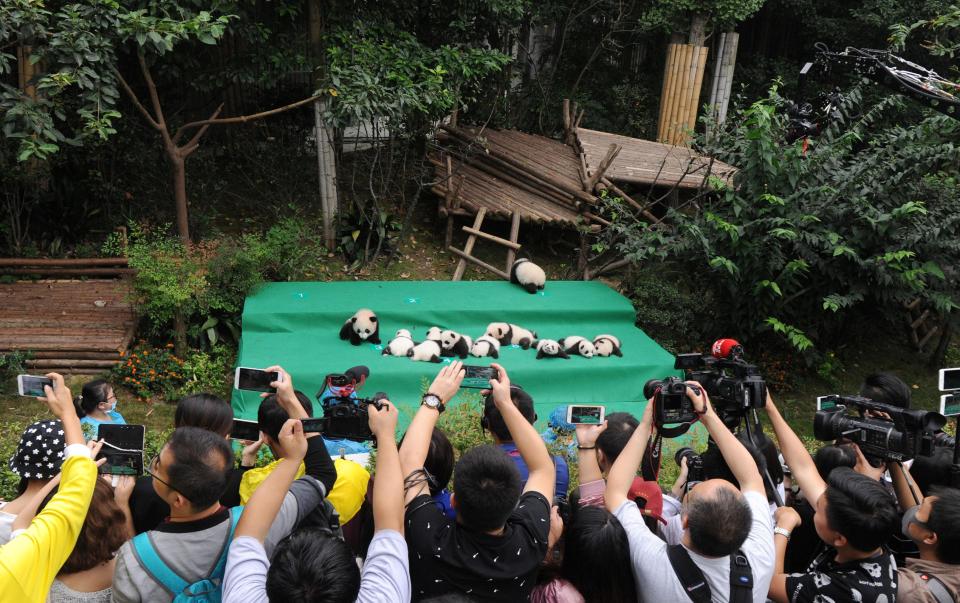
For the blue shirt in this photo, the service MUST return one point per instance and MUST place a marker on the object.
(90, 425)
(563, 471)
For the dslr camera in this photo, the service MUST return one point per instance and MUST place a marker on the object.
(734, 385)
(695, 473)
(344, 416)
(905, 435)
(671, 404)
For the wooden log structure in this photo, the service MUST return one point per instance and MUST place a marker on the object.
(680, 94)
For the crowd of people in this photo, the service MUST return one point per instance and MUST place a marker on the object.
(503, 522)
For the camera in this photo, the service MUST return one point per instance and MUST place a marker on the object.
(734, 385)
(695, 473)
(671, 404)
(905, 435)
(345, 418)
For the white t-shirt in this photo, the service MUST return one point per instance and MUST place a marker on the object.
(654, 574)
(6, 524)
(672, 531)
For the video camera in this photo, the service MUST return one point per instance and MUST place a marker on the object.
(734, 385)
(344, 416)
(905, 435)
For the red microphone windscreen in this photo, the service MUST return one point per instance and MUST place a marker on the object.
(721, 348)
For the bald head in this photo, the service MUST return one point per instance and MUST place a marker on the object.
(717, 518)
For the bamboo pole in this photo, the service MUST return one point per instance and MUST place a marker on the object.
(464, 257)
(687, 76)
(514, 238)
(694, 107)
(605, 164)
(675, 85)
(492, 238)
(664, 91)
(468, 248)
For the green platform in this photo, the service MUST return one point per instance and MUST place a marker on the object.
(296, 325)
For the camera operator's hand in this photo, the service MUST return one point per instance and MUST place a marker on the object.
(556, 527)
(587, 434)
(286, 395)
(863, 466)
(293, 440)
(678, 486)
(500, 386)
(787, 518)
(58, 397)
(248, 454)
(447, 382)
(701, 401)
(383, 422)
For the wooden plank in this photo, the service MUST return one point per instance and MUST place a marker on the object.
(465, 257)
(69, 271)
(71, 362)
(63, 262)
(514, 238)
(490, 237)
(468, 248)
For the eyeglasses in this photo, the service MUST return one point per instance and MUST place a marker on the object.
(151, 471)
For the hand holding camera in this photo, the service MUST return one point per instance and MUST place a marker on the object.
(587, 434)
(787, 518)
(699, 397)
(501, 387)
(293, 440)
(383, 419)
(447, 382)
(286, 395)
(58, 397)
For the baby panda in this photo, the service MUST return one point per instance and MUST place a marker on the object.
(578, 345)
(435, 334)
(485, 345)
(548, 348)
(528, 275)
(425, 351)
(606, 345)
(362, 326)
(399, 345)
(511, 334)
(455, 344)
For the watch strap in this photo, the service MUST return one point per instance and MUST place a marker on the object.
(782, 531)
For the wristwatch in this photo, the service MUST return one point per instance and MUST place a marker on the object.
(433, 401)
(782, 531)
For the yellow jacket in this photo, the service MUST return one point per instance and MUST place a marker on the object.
(30, 561)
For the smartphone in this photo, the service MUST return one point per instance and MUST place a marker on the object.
(950, 405)
(949, 379)
(313, 425)
(585, 415)
(255, 380)
(31, 385)
(478, 377)
(245, 430)
(122, 447)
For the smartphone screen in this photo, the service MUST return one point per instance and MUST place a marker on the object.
(478, 377)
(949, 405)
(31, 385)
(123, 449)
(949, 379)
(585, 415)
(255, 380)
(245, 430)
(313, 425)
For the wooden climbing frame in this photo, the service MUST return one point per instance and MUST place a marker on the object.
(473, 232)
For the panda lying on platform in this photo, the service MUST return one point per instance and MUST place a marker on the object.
(362, 326)
(528, 275)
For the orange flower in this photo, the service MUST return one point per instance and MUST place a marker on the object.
(169, 345)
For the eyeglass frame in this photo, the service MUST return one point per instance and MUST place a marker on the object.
(148, 470)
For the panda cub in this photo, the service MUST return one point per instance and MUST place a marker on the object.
(425, 351)
(362, 326)
(528, 275)
(399, 345)
(434, 334)
(578, 345)
(485, 345)
(455, 344)
(511, 334)
(607, 345)
(548, 348)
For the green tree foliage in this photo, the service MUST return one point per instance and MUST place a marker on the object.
(867, 217)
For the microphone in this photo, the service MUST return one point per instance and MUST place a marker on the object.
(726, 348)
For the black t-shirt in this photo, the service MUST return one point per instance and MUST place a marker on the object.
(446, 556)
(873, 579)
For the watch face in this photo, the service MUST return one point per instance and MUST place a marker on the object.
(431, 401)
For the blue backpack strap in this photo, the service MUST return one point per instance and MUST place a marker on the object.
(218, 569)
(158, 570)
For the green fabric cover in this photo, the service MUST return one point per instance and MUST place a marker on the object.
(297, 325)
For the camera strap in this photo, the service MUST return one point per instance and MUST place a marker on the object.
(936, 588)
(695, 584)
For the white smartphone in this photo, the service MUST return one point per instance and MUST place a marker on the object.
(255, 380)
(950, 405)
(31, 385)
(949, 379)
(585, 415)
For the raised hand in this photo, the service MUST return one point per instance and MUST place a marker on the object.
(383, 421)
(587, 434)
(58, 397)
(293, 440)
(501, 386)
(447, 382)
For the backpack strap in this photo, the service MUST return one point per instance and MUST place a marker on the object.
(161, 573)
(218, 569)
(741, 578)
(690, 576)
(937, 588)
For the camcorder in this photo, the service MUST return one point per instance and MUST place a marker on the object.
(734, 385)
(895, 435)
(671, 406)
(345, 417)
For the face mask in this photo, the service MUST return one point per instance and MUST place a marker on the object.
(909, 517)
(112, 407)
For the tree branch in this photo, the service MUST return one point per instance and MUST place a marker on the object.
(245, 118)
(135, 100)
(196, 137)
(154, 97)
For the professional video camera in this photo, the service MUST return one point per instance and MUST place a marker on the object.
(905, 435)
(344, 415)
(734, 385)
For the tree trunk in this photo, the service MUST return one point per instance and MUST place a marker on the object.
(180, 196)
(698, 30)
(327, 174)
(180, 334)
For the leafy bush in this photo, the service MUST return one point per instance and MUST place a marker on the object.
(13, 363)
(150, 372)
(208, 371)
(862, 219)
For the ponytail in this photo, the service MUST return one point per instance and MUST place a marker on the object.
(93, 393)
(78, 405)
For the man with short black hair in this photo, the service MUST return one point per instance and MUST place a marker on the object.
(886, 388)
(726, 550)
(855, 516)
(493, 549)
(493, 422)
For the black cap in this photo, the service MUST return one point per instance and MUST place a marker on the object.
(357, 372)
